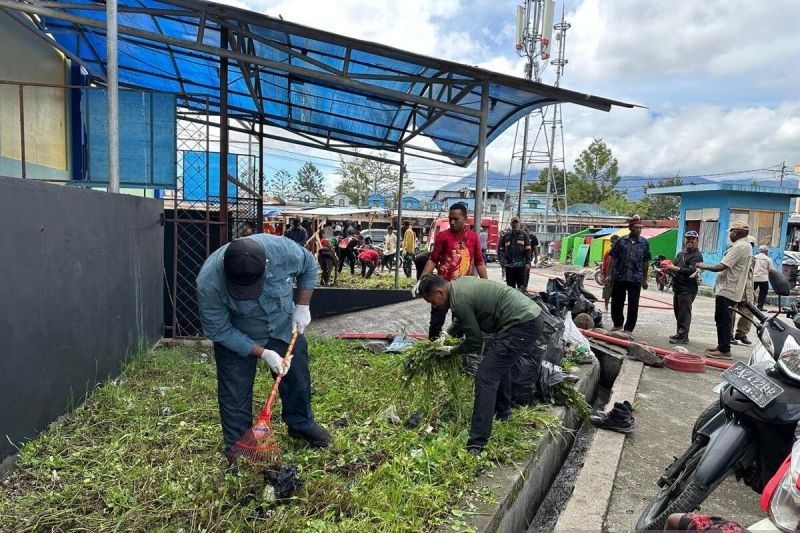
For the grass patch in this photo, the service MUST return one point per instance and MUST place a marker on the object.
(143, 453)
(377, 281)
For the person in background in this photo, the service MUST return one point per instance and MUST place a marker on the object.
(684, 285)
(368, 258)
(501, 246)
(761, 267)
(327, 231)
(732, 273)
(409, 246)
(327, 261)
(389, 250)
(248, 229)
(551, 249)
(456, 252)
(247, 308)
(743, 324)
(516, 256)
(630, 257)
(515, 323)
(605, 270)
(484, 238)
(534, 240)
(351, 230)
(297, 233)
(345, 251)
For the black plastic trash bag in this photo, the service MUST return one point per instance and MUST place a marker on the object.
(551, 375)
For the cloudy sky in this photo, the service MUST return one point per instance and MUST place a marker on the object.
(720, 79)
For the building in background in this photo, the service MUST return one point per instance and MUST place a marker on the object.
(710, 209)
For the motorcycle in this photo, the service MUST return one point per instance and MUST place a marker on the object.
(599, 278)
(663, 278)
(748, 431)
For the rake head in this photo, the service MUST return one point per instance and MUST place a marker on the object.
(258, 445)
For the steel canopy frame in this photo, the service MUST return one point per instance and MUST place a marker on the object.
(394, 96)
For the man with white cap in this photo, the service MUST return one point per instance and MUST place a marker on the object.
(730, 287)
(743, 324)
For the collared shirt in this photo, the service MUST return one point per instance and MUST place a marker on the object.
(732, 282)
(761, 266)
(683, 282)
(630, 256)
(390, 244)
(409, 241)
(456, 254)
(483, 306)
(298, 235)
(238, 324)
(517, 249)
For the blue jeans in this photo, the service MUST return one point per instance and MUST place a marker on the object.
(235, 377)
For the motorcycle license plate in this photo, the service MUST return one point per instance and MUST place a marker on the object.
(756, 386)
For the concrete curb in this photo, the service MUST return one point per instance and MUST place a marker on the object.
(517, 490)
(587, 506)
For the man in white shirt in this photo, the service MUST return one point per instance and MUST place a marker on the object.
(389, 249)
(761, 267)
(729, 289)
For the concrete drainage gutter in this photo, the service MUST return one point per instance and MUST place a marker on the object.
(519, 489)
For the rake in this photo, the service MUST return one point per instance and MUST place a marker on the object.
(259, 444)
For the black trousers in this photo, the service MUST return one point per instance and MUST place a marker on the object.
(420, 261)
(723, 316)
(235, 376)
(367, 268)
(408, 262)
(493, 379)
(387, 261)
(349, 255)
(682, 305)
(763, 288)
(621, 289)
(515, 277)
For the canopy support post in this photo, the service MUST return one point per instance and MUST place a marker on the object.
(223, 139)
(480, 174)
(399, 216)
(112, 94)
(260, 202)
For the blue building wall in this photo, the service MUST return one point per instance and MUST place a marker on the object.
(725, 201)
(376, 200)
(410, 202)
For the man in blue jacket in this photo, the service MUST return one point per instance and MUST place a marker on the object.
(245, 297)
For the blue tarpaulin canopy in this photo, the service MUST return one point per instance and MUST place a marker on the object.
(334, 91)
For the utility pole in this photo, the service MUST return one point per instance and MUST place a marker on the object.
(783, 171)
(112, 88)
(534, 41)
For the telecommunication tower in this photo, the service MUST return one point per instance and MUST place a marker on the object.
(543, 133)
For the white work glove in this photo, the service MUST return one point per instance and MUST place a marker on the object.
(415, 290)
(444, 351)
(301, 318)
(275, 361)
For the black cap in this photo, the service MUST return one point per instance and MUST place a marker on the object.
(245, 262)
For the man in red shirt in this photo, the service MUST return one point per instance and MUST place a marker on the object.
(456, 252)
(369, 258)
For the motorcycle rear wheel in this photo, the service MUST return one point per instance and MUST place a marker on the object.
(683, 495)
(598, 278)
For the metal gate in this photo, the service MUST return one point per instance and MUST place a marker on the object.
(193, 220)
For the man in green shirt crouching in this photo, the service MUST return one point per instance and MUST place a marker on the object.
(480, 307)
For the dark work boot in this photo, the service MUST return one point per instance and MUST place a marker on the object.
(619, 419)
(315, 435)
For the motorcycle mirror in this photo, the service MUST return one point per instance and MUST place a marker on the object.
(779, 283)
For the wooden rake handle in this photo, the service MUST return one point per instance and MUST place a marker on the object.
(287, 359)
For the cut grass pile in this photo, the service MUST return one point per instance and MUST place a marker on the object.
(377, 281)
(143, 453)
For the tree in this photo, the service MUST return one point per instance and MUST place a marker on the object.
(660, 206)
(361, 178)
(281, 185)
(309, 178)
(579, 191)
(598, 169)
(619, 205)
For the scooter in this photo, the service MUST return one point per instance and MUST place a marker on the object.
(748, 432)
(663, 278)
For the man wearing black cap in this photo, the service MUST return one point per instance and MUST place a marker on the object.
(244, 293)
